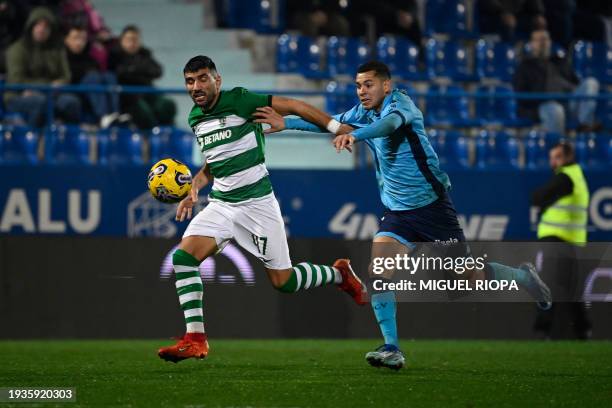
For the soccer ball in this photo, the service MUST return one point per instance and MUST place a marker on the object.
(169, 181)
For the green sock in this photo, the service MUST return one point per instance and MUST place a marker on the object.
(306, 275)
(189, 289)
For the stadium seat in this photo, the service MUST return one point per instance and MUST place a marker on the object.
(19, 145)
(593, 151)
(498, 110)
(262, 16)
(358, 52)
(337, 49)
(166, 141)
(447, 59)
(448, 110)
(495, 60)
(537, 145)
(119, 146)
(340, 97)
(310, 58)
(452, 148)
(447, 17)
(593, 60)
(497, 150)
(67, 145)
(604, 111)
(344, 55)
(287, 60)
(400, 55)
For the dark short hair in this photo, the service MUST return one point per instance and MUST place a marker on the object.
(200, 62)
(380, 69)
(567, 148)
(130, 27)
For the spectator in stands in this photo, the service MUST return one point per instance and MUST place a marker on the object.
(510, 18)
(39, 58)
(319, 17)
(135, 65)
(82, 13)
(543, 72)
(12, 19)
(85, 70)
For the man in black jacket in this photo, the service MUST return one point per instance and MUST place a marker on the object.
(135, 65)
(84, 69)
(543, 72)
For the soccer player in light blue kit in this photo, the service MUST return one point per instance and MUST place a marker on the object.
(413, 189)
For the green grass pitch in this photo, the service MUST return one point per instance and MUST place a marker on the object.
(316, 373)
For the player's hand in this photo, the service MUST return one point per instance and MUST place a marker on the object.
(345, 141)
(185, 207)
(345, 129)
(268, 115)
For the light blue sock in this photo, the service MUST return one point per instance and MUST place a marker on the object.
(384, 310)
(504, 272)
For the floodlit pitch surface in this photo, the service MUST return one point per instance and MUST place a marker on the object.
(316, 373)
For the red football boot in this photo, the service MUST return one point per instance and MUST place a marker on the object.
(351, 283)
(191, 345)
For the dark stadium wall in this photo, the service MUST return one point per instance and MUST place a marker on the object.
(75, 287)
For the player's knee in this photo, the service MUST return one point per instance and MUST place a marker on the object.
(279, 279)
(181, 255)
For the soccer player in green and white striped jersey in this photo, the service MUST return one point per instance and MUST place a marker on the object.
(242, 203)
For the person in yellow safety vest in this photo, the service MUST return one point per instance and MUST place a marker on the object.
(563, 204)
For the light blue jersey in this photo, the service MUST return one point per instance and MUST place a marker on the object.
(407, 167)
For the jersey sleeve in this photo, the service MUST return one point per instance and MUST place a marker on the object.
(402, 107)
(247, 102)
(380, 128)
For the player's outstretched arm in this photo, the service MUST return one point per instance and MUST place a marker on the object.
(319, 119)
(277, 122)
(200, 180)
(381, 128)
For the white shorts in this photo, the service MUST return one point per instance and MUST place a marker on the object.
(256, 226)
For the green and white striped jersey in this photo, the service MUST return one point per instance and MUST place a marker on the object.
(233, 146)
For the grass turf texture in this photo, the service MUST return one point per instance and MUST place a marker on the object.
(316, 373)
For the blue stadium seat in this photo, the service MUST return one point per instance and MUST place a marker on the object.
(593, 60)
(67, 145)
(19, 145)
(340, 97)
(447, 59)
(497, 150)
(287, 60)
(400, 55)
(166, 141)
(604, 111)
(495, 110)
(310, 58)
(594, 151)
(344, 55)
(496, 60)
(337, 50)
(448, 110)
(452, 148)
(447, 17)
(119, 146)
(261, 16)
(358, 52)
(537, 145)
